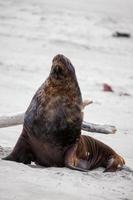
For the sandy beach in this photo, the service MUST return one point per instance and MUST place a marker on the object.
(31, 33)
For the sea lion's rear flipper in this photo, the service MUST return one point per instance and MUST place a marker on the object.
(21, 152)
(114, 164)
(72, 162)
(76, 168)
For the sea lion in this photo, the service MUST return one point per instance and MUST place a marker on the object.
(52, 122)
(51, 134)
(89, 153)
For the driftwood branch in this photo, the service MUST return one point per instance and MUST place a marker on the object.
(86, 103)
(11, 120)
(17, 119)
(105, 129)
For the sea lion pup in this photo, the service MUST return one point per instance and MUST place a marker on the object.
(51, 134)
(89, 153)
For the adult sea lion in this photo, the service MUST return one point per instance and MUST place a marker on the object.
(51, 134)
(52, 122)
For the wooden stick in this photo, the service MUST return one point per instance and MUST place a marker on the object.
(105, 129)
(86, 103)
(17, 119)
(11, 120)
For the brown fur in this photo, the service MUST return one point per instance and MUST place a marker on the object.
(89, 153)
(51, 134)
(53, 119)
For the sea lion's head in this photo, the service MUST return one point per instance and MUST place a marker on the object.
(62, 67)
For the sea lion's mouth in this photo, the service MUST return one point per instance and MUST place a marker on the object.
(62, 67)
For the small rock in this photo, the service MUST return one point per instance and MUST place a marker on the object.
(121, 34)
(124, 94)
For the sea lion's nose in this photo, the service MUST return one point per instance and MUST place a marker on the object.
(57, 68)
(60, 59)
(57, 71)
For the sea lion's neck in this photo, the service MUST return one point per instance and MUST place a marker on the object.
(67, 87)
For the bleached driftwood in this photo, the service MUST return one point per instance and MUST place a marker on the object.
(11, 120)
(17, 119)
(105, 129)
(86, 103)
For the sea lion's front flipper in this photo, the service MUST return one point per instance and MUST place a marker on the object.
(72, 162)
(114, 164)
(21, 152)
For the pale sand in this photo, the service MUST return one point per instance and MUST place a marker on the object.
(31, 33)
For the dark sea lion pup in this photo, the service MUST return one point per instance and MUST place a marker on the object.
(51, 134)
